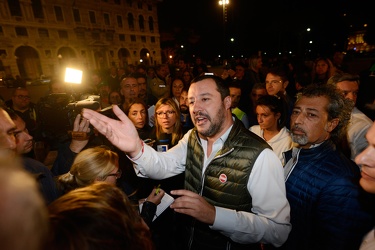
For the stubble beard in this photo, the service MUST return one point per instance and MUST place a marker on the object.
(216, 123)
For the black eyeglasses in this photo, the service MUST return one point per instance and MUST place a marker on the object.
(117, 174)
(167, 113)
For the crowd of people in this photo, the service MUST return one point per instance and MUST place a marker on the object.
(276, 156)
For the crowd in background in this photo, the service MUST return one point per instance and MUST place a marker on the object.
(84, 177)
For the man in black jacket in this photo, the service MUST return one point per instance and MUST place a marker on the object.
(24, 145)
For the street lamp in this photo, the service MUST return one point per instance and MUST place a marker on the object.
(224, 3)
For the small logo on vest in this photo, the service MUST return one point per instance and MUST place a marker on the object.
(223, 178)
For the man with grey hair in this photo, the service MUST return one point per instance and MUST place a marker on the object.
(348, 86)
(328, 208)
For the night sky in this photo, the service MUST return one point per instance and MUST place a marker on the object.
(271, 26)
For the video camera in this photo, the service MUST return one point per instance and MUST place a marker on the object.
(57, 113)
(91, 102)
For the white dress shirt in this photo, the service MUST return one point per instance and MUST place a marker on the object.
(280, 143)
(269, 222)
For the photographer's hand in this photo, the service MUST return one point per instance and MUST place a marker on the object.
(79, 126)
(121, 134)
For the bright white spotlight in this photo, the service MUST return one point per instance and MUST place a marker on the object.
(73, 75)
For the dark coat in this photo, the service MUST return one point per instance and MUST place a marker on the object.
(329, 209)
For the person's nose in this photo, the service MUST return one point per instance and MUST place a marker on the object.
(196, 107)
(366, 157)
(29, 137)
(298, 118)
(350, 96)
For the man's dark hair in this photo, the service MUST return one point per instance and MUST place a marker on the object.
(221, 87)
(234, 84)
(278, 71)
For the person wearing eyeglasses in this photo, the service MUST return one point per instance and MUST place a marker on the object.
(166, 133)
(234, 191)
(22, 105)
(90, 165)
(276, 83)
(23, 146)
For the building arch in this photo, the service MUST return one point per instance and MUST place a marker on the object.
(28, 62)
(146, 57)
(66, 55)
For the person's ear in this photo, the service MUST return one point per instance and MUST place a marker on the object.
(227, 102)
(332, 124)
(285, 84)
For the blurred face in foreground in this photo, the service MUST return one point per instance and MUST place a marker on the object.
(367, 161)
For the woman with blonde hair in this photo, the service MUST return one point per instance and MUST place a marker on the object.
(167, 132)
(100, 164)
(89, 166)
(168, 129)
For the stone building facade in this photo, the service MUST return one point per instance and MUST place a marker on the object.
(43, 37)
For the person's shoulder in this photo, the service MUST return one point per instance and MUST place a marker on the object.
(334, 163)
(359, 116)
(34, 166)
(255, 129)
